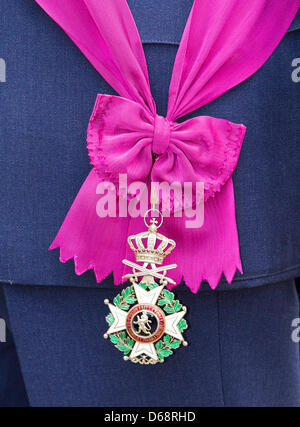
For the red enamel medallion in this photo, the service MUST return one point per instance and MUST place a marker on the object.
(145, 323)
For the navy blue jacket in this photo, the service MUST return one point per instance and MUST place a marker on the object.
(45, 107)
(241, 350)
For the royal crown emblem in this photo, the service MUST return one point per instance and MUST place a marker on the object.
(146, 322)
(155, 248)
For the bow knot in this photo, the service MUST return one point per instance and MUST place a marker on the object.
(123, 135)
(161, 135)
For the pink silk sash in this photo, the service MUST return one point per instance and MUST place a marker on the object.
(224, 43)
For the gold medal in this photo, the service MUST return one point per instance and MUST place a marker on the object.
(146, 321)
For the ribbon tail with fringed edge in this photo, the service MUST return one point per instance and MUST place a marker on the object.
(101, 243)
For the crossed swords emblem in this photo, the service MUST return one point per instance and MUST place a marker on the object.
(153, 271)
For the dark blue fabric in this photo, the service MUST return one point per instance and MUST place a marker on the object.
(45, 107)
(12, 388)
(240, 350)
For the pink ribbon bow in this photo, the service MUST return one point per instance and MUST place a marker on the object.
(224, 43)
(123, 136)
